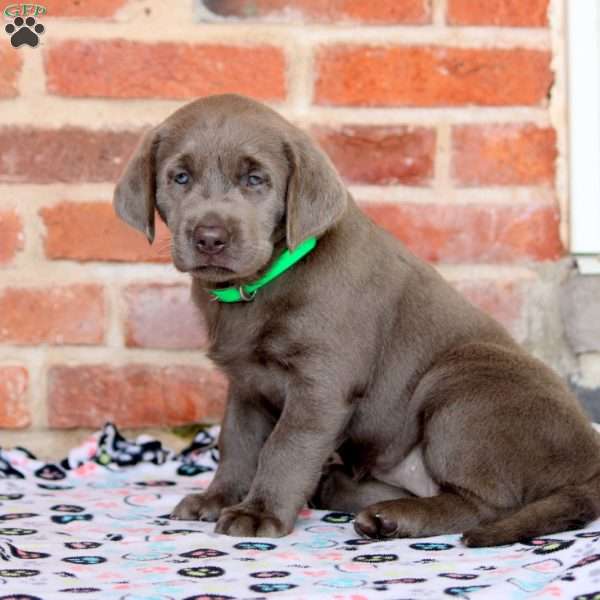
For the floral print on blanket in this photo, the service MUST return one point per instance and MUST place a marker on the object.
(95, 525)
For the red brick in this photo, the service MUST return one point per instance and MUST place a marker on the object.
(134, 395)
(126, 69)
(163, 316)
(69, 155)
(14, 413)
(473, 233)
(11, 236)
(381, 155)
(86, 231)
(10, 67)
(71, 314)
(512, 154)
(82, 8)
(333, 11)
(511, 13)
(502, 300)
(431, 76)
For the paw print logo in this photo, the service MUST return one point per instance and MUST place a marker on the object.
(375, 558)
(338, 517)
(201, 572)
(266, 588)
(24, 32)
(85, 560)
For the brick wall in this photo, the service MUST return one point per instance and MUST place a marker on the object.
(445, 117)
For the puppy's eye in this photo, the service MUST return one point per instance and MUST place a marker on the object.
(254, 180)
(182, 178)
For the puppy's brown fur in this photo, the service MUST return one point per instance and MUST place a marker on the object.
(442, 423)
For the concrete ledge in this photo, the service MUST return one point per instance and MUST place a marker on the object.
(580, 311)
(590, 400)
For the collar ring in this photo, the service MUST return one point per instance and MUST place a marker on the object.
(246, 296)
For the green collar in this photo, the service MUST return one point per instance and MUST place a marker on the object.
(246, 293)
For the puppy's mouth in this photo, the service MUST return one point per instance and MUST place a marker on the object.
(223, 269)
(211, 271)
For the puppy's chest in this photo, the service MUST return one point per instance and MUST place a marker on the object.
(258, 353)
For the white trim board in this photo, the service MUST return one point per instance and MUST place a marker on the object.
(583, 30)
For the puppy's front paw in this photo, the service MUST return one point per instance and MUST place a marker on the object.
(199, 507)
(245, 521)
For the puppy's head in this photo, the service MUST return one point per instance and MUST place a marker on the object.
(230, 178)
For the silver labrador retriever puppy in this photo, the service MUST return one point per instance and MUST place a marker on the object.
(338, 341)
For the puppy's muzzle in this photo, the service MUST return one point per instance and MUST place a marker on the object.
(210, 238)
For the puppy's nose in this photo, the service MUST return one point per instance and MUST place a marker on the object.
(211, 239)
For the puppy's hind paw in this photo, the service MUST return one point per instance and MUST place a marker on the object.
(374, 525)
(484, 536)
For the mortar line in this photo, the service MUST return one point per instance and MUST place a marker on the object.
(557, 110)
(443, 158)
(113, 319)
(254, 33)
(439, 11)
(54, 112)
(32, 78)
(300, 59)
(36, 367)
(70, 355)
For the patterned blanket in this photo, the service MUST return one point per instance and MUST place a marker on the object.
(96, 526)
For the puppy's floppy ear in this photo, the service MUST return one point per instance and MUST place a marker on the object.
(135, 195)
(316, 197)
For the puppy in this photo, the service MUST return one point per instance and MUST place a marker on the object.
(337, 341)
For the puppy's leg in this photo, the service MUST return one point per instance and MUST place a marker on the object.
(243, 432)
(567, 509)
(338, 491)
(501, 437)
(290, 464)
(419, 517)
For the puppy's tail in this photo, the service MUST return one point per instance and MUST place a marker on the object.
(569, 508)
